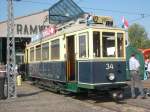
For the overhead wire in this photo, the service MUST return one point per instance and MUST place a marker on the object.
(34, 2)
(143, 15)
(136, 19)
(107, 10)
(115, 11)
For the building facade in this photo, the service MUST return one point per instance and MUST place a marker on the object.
(25, 28)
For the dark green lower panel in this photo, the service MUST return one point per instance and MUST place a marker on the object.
(102, 86)
(72, 86)
(86, 86)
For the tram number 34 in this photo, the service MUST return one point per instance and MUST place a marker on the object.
(109, 66)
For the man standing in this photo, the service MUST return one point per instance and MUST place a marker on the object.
(2, 80)
(148, 69)
(134, 67)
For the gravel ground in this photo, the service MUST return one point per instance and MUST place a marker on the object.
(33, 99)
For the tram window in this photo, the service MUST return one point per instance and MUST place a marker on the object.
(55, 49)
(45, 51)
(82, 46)
(32, 54)
(38, 53)
(96, 44)
(120, 44)
(108, 40)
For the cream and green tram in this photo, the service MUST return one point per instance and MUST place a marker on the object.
(79, 58)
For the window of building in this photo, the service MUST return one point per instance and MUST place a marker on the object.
(45, 51)
(32, 54)
(120, 44)
(82, 46)
(108, 40)
(55, 49)
(96, 44)
(38, 53)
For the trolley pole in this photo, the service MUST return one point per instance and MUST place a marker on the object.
(11, 76)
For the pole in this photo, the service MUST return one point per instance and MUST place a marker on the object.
(11, 76)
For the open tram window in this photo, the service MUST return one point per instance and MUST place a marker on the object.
(45, 51)
(96, 44)
(55, 49)
(32, 54)
(120, 44)
(108, 40)
(38, 52)
(82, 46)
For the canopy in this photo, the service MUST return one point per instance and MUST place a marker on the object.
(63, 11)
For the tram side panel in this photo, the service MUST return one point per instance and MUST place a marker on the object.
(98, 72)
(48, 70)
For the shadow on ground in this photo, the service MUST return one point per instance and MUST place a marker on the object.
(29, 94)
(101, 98)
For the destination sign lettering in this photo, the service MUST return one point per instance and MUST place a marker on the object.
(101, 19)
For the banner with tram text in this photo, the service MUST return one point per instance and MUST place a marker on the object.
(48, 32)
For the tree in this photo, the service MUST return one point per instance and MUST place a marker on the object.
(138, 36)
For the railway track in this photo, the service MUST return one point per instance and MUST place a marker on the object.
(127, 105)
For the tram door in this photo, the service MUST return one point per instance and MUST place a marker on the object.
(70, 58)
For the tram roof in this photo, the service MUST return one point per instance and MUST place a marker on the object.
(75, 28)
(64, 11)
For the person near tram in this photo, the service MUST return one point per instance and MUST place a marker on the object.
(2, 80)
(134, 67)
(148, 69)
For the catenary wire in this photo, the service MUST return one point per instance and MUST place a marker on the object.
(143, 15)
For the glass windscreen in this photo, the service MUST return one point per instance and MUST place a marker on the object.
(45, 51)
(108, 46)
(32, 54)
(38, 53)
(96, 44)
(82, 46)
(120, 44)
(55, 49)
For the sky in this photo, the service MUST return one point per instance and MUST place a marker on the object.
(135, 11)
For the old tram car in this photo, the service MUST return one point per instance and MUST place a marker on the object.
(80, 58)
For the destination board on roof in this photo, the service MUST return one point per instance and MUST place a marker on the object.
(101, 19)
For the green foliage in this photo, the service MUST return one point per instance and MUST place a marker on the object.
(138, 36)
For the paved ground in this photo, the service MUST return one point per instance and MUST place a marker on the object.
(33, 99)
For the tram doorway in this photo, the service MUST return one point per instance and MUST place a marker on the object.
(70, 58)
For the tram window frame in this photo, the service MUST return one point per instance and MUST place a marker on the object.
(96, 44)
(45, 51)
(38, 53)
(55, 49)
(83, 52)
(120, 44)
(107, 50)
(32, 54)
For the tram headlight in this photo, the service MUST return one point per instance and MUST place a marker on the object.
(111, 76)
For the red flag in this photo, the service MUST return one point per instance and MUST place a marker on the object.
(125, 23)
